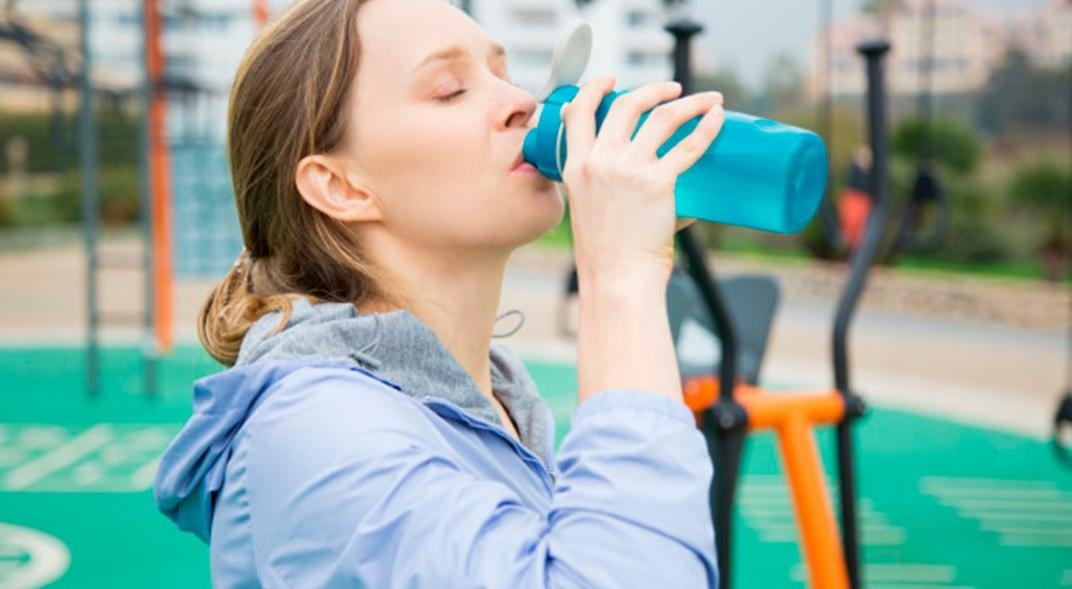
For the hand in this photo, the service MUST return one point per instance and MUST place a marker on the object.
(621, 193)
(683, 223)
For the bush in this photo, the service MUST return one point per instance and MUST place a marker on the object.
(952, 144)
(1044, 186)
(119, 204)
(53, 143)
(119, 196)
(974, 221)
(8, 215)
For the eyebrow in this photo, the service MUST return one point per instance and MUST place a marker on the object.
(456, 52)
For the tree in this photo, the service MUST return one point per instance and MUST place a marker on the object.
(1045, 187)
(949, 142)
(1020, 97)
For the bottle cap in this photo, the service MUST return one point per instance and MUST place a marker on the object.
(544, 146)
(570, 58)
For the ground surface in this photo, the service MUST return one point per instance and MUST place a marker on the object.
(959, 487)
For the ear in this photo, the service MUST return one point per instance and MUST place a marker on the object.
(324, 184)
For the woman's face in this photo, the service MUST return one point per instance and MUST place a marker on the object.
(436, 137)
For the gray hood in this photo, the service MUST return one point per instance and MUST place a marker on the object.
(401, 348)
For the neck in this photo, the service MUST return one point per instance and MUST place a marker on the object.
(456, 296)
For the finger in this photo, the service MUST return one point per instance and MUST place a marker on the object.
(683, 222)
(624, 114)
(690, 149)
(666, 119)
(579, 117)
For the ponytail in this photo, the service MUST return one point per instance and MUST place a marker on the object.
(233, 307)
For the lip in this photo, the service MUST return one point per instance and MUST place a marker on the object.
(517, 161)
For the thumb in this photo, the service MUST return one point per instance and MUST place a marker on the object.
(682, 223)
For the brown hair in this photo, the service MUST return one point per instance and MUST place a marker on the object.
(288, 101)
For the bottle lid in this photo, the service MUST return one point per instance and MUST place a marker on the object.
(570, 58)
(544, 146)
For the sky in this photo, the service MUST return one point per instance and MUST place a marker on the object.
(747, 34)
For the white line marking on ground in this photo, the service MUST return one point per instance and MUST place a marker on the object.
(1016, 516)
(983, 483)
(900, 575)
(1060, 507)
(143, 477)
(64, 455)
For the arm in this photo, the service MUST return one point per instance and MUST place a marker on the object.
(335, 500)
(624, 338)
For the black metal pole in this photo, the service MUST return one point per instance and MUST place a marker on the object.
(725, 423)
(150, 349)
(90, 203)
(874, 53)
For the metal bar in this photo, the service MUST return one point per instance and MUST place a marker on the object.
(862, 258)
(726, 422)
(150, 341)
(807, 486)
(90, 203)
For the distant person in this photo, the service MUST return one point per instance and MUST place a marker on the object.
(856, 200)
(366, 432)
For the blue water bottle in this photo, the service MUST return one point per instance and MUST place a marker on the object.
(757, 173)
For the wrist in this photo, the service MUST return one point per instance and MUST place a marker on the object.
(623, 283)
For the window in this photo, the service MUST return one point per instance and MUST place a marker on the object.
(636, 18)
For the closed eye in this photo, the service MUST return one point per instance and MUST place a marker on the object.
(451, 96)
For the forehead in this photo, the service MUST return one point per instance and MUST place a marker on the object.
(397, 34)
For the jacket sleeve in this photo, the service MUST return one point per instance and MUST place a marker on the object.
(337, 500)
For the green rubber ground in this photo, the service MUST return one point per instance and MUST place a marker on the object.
(942, 505)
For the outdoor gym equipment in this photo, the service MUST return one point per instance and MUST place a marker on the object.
(923, 219)
(725, 396)
(728, 403)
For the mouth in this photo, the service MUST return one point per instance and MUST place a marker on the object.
(520, 159)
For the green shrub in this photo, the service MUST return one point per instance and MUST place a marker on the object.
(975, 234)
(952, 144)
(1045, 186)
(53, 147)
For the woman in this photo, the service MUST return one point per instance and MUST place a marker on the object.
(367, 431)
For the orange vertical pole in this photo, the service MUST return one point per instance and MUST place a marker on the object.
(160, 182)
(819, 534)
(260, 12)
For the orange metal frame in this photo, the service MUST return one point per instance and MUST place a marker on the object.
(793, 417)
(160, 174)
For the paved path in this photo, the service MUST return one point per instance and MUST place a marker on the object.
(990, 373)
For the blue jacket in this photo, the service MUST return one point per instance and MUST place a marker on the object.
(352, 450)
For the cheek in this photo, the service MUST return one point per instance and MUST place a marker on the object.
(437, 178)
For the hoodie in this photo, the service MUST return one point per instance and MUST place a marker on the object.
(353, 450)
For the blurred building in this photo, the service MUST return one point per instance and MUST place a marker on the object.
(38, 57)
(628, 36)
(1046, 35)
(961, 51)
(203, 41)
(953, 44)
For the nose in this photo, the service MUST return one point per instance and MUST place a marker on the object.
(522, 112)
